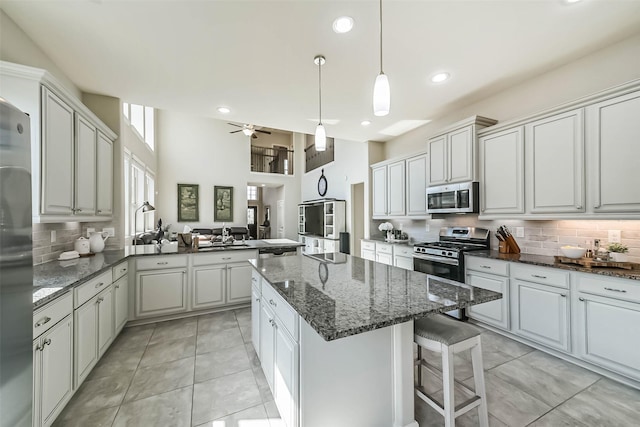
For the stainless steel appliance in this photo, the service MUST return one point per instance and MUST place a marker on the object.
(16, 271)
(445, 258)
(454, 198)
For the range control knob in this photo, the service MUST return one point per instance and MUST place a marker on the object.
(449, 253)
(444, 253)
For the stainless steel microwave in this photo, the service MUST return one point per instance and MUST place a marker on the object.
(453, 198)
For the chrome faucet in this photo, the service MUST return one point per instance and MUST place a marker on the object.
(225, 234)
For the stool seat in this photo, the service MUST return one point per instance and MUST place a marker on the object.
(444, 330)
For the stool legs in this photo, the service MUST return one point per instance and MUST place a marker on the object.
(448, 387)
(419, 373)
(478, 378)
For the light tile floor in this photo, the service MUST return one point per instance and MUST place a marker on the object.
(203, 371)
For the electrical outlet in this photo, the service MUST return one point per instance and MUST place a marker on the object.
(614, 236)
(53, 236)
(110, 231)
(89, 231)
(427, 227)
(519, 231)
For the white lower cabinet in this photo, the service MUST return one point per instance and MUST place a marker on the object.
(285, 381)
(255, 318)
(52, 372)
(93, 333)
(495, 313)
(238, 282)
(541, 313)
(120, 303)
(403, 262)
(160, 292)
(209, 286)
(267, 343)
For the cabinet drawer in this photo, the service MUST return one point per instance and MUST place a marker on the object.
(155, 262)
(282, 309)
(224, 257)
(86, 291)
(626, 290)
(120, 270)
(384, 248)
(487, 265)
(544, 276)
(52, 313)
(402, 250)
(367, 245)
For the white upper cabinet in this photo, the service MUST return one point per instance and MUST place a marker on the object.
(396, 189)
(460, 154)
(57, 155)
(416, 185)
(379, 191)
(554, 153)
(502, 173)
(85, 200)
(614, 134)
(438, 160)
(104, 176)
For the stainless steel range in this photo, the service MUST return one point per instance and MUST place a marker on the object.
(445, 258)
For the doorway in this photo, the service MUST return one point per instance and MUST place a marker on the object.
(252, 221)
(357, 217)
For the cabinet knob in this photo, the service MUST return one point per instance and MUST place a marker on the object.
(99, 300)
(99, 211)
(257, 299)
(272, 302)
(46, 342)
(563, 295)
(99, 284)
(578, 207)
(38, 348)
(117, 286)
(581, 299)
(78, 210)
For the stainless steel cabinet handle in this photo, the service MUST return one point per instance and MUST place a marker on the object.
(99, 211)
(581, 299)
(257, 299)
(273, 303)
(38, 348)
(226, 258)
(43, 321)
(485, 266)
(99, 284)
(163, 263)
(538, 276)
(99, 300)
(271, 321)
(563, 295)
(78, 210)
(117, 286)
(616, 290)
(578, 207)
(46, 342)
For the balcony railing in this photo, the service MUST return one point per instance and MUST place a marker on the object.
(272, 160)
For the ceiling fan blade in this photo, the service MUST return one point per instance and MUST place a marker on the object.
(236, 131)
(233, 124)
(263, 131)
(254, 136)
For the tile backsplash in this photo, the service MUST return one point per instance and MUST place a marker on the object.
(540, 237)
(43, 249)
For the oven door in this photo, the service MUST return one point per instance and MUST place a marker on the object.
(446, 268)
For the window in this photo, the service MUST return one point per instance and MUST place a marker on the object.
(252, 192)
(141, 119)
(139, 187)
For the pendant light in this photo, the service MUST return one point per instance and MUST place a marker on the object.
(321, 134)
(381, 90)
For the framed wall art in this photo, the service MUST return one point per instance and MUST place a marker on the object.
(223, 204)
(188, 209)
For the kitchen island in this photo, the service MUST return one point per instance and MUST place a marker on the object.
(334, 335)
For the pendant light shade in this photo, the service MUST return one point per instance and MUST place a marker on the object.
(381, 89)
(321, 134)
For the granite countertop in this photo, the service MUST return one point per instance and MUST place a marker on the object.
(549, 261)
(55, 278)
(340, 295)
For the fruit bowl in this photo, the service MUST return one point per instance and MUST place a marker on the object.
(574, 252)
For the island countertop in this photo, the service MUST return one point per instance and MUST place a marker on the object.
(340, 295)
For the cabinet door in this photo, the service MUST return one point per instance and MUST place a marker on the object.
(396, 188)
(121, 303)
(614, 132)
(541, 313)
(438, 160)
(370, 255)
(37, 384)
(57, 155)
(460, 154)
(501, 173)
(255, 320)
(267, 343)
(379, 191)
(384, 258)
(56, 369)
(104, 168)
(607, 334)
(330, 246)
(555, 163)
(285, 382)
(403, 262)
(238, 282)
(105, 320)
(85, 339)
(494, 313)
(160, 292)
(85, 177)
(417, 185)
(209, 286)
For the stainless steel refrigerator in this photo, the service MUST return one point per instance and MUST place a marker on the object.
(16, 271)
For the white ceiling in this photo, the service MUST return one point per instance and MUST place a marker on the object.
(256, 57)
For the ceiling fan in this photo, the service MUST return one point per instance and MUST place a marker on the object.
(248, 130)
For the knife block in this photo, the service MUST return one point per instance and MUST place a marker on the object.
(503, 248)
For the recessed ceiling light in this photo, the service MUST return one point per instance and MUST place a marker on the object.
(263, 185)
(365, 123)
(440, 77)
(343, 24)
(223, 110)
(572, 1)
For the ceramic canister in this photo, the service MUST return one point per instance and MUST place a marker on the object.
(81, 246)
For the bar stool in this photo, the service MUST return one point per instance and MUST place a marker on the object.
(444, 335)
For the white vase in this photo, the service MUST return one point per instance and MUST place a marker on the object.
(618, 257)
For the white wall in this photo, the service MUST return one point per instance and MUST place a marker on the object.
(200, 150)
(611, 66)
